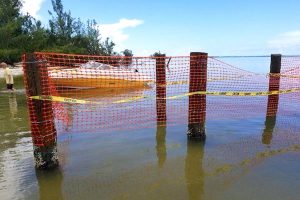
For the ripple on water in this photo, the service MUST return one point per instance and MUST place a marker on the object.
(17, 173)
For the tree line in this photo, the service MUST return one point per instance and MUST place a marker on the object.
(20, 33)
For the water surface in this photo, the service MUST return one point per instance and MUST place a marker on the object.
(249, 158)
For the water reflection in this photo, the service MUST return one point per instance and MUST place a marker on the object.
(105, 114)
(66, 114)
(161, 150)
(100, 93)
(50, 184)
(13, 106)
(268, 130)
(194, 172)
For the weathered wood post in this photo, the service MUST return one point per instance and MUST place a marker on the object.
(161, 89)
(274, 85)
(194, 173)
(43, 130)
(197, 102)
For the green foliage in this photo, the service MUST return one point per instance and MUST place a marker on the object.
(66, 34)
(10, 29)
(9, 11)
(157, 54)
(10, 55)
(18, 33)
(108, 47)
(92, 38)
(127, 60)
(62, 25)
(70, 35)
(127, 52)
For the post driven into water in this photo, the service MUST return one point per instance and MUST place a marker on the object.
(197, 102)
(274, 85)
(161, 107)
(43, 130)
(161, 89)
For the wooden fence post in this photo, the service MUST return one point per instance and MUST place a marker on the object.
(274, 85)
(197, 102)
(43, 130)
(161, 89)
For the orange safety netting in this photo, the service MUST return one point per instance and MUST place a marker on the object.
(83, 93)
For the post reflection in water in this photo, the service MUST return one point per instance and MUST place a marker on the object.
(194, 172)
(50, 184)
(68, 117)
(269, 128)
(13, 106)
(161, 150)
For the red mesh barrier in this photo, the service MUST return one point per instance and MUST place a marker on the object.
(40, 112)
(81, 93)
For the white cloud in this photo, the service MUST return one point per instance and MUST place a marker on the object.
(32, 7)
(287, 40)
(116, 32)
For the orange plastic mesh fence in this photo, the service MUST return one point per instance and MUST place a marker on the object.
(81, 93)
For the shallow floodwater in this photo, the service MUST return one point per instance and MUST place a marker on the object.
(235, 162)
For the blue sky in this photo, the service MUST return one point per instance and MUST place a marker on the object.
(257, 27)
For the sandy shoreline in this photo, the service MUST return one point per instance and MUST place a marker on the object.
(16, 71)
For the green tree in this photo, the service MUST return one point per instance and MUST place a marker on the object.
(108, 47)
(9, 11)
(127, 61)
(22, 33)
(18, 33)
(70, 35)
(93, 38)
(10, 30)
(127, 52)
(157, 54)
(65, 31)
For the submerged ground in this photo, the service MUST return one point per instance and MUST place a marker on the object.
(235, 162)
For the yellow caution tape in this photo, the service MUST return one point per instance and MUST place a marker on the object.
(283, 75)
(62, 99)
(231, 93)
(137, 98)
(80, 101)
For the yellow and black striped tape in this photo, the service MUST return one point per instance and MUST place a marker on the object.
(137, 98)
(81, 101)
(232, 93)
(284, 75)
